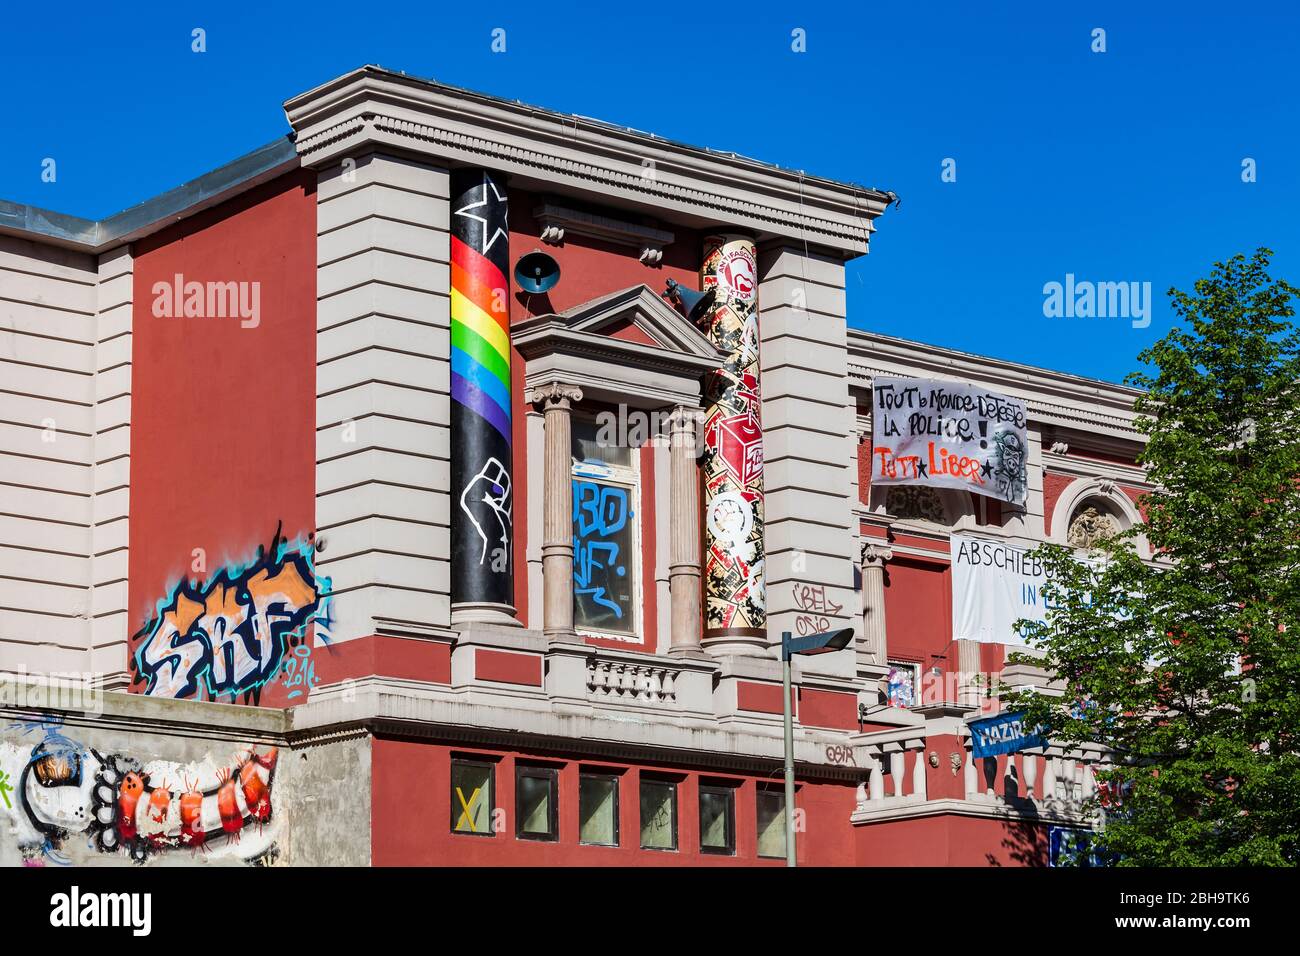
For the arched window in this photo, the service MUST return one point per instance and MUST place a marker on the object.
(1090, 509)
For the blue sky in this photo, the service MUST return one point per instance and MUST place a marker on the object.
(1116, 166)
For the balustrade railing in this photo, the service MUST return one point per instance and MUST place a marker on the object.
(903, 763)
(1059, 782)
(613, 679)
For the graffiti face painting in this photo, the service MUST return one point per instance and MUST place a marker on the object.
(234, 633)
(118, 805)
(733, 460)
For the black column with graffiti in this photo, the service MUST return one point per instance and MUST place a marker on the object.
(481, 564)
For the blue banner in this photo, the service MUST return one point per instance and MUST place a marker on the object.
(1003, 734)
(1068, 846)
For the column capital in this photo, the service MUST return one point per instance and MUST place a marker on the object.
(554, 395)
(876, 554)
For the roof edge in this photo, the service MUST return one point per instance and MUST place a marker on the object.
(861, 340)
(98, 236)
(295, 104)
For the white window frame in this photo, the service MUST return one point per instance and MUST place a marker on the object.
(629, 477)
(915, 668)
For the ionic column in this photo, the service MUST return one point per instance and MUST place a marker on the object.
(684, 516)
(557, 507)
(875, 644)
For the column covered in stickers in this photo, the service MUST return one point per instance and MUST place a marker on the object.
(735, 602)
(481, 506)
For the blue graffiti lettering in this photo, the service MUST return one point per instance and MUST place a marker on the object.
(599, 512)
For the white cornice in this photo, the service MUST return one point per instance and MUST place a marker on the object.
(372, 108)
(1052, 398)
(558, 220)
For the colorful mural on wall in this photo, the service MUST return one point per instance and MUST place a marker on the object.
(481, 564)
(242, 628)
(70, 797)
(735, 603)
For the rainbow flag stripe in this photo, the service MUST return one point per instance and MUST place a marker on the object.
(480, 337)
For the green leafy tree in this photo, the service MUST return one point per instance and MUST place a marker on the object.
(1188, 667)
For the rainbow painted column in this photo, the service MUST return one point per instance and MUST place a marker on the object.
(735, 616)
(482, 573)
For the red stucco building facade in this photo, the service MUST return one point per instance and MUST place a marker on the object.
(308, 415)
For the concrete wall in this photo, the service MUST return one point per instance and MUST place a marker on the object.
(382, 393)
(318, 794)
(327, 791)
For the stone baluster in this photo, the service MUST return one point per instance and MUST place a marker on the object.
(918, 774)
(1069, 774)
(896, 771)
(1089, 782)
(1029, 766)
(876, 781)
(970, 776)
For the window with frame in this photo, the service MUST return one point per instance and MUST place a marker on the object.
(904, 679)
(536, 803)
(598, 809)
(658, 814)
(771, 822)
(606, 533)
(472, 796)
(718, 820)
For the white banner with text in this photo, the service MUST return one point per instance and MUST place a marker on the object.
(948, 435)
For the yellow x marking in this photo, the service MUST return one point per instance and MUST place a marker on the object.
(465, 808)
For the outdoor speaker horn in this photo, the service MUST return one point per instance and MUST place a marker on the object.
(690, 303)
(537, 272)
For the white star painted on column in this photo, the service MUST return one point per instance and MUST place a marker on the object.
(494, 223)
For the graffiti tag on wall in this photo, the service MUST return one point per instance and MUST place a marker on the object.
(816, 608)
(68, 792)
(602, 586)
(239, 630)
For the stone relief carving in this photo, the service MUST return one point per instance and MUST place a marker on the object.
(1089, 524)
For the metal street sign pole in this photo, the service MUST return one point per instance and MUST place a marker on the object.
(789, 751)
(820, 643)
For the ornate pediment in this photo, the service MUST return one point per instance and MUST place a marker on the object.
(642, 308)
(629, 343)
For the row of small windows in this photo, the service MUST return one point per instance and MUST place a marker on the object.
(473, 799)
